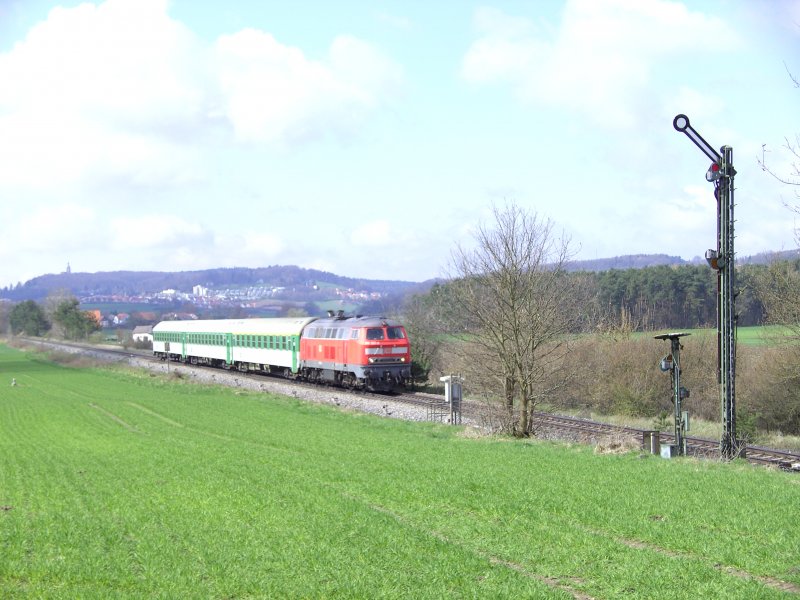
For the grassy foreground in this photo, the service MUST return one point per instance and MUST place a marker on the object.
(117, 485)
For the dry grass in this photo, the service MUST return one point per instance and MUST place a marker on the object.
(617, 444)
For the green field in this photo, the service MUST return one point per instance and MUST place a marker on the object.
(129, 485)
(763, 335)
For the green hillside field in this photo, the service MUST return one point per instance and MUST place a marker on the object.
(118, 484)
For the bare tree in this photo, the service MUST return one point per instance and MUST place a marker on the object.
(514, 303)
(779, 286)
(779, 290)
(791, 176)
(424, 335)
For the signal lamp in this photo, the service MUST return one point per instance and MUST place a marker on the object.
(712, 258)
(714, 172)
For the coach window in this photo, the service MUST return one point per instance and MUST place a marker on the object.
(374, 333)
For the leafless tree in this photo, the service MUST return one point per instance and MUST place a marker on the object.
(791, 176)
(424, 333)
(515, 306)
(779, 286)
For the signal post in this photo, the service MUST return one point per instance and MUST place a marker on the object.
(722, 259)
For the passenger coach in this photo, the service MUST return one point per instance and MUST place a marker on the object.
(269, 345)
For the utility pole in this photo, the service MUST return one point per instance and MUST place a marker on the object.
(722, 260)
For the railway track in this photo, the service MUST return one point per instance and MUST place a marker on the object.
(698, 447)
(574, 428)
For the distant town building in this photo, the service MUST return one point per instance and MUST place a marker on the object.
(142, 333)
(199, 290)
(120, 318)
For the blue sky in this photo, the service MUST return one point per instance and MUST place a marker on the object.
(368, 138)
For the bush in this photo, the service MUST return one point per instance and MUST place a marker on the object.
(620, 375)
(768, 389)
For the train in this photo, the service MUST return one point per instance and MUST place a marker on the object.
(355, 352)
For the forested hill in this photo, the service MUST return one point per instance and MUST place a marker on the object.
(631, 261)
(641, 261)
(131, 283)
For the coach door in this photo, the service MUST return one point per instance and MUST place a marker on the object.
(228, 344)
(294, 346)
(183, 346)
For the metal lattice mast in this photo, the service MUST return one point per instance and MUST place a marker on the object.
(721, 173)
(727, 303)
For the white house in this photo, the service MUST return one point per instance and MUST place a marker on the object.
(143, 333)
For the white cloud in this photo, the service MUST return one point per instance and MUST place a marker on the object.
(694, 213)
(373, 234)
(602, 59)
(122, 91)
(51, 229)
(273, 92)
(88, 92)
(157, 231)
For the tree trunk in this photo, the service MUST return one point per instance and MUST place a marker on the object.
(523, 426)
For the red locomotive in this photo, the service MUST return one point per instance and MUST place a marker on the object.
(358, 352)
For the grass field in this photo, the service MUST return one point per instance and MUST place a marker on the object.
(126, 485)
(763, 335)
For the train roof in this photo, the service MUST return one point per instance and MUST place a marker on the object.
(357, 322)
(261, 326)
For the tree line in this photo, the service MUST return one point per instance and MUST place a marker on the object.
(664, 296)
(61, 315)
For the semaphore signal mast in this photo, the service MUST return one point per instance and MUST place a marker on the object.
(721, 174)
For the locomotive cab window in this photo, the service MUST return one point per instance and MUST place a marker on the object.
(396, 333)
(374, 333)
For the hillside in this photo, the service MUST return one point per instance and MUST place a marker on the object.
(132, 283)
(641, 261)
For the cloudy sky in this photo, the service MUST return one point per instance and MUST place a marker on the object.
(367, 138)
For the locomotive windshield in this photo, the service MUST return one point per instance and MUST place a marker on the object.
(374, 333)
(392, 333)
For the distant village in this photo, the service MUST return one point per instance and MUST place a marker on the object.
(264, 297)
